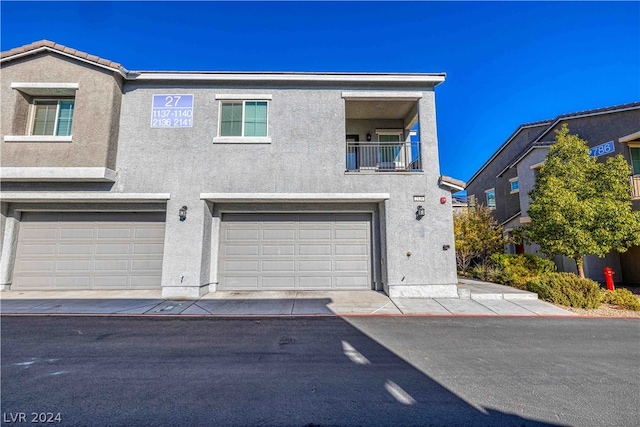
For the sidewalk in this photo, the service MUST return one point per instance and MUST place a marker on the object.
(477, 299)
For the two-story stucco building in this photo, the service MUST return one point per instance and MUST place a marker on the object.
(197, 182)
(504, 181)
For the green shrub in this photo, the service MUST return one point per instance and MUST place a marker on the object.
(518, 269)
(488, 273)
(623, 298)
(566, 289)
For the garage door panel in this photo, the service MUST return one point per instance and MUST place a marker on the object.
(241, 266)
(72, 282)
(350, 234)
(352, 265)
(149, 233)
(75, 249)
(44, 266)
(346, 249)
(356, 282)
(38, 282)
(44, 233)
(76, 233)
(295, 251)
(39, 249)
(278, 234)
(89, 250)
(288, 266)
(315, 282)
(146, 265)
(278, 282)
(316, 266)
(148, 248)
(242, 250)
(114, 233)
(232, 235)
(73, 265)
(242, 282)
(103, 265)
(278, 250)
(319, 250)
(319, 234)
(110, 281)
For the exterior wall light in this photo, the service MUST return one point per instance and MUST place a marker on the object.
(420, 212)
(182, 213)
(368, 137)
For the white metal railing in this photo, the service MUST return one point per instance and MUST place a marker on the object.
(383, 156)
(635, 186)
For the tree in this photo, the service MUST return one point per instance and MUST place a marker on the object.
(477, 236)
(580, 206)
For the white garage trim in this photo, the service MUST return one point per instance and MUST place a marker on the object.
(294, 197)
(81, 197)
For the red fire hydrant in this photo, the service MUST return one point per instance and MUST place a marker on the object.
(608, 276)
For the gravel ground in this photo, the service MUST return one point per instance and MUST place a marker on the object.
(605, 310)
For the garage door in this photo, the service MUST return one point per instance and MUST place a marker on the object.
(295, 251)
(89, 251)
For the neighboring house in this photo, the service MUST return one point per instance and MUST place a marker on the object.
(503, 183)
(201, 181)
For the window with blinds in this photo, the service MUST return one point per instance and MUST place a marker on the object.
(52, 117)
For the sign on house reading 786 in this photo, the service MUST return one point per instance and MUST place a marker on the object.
(602, 149)
(172, 111)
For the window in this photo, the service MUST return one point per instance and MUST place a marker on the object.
(514, 185)
(243, 118)
(491, 198)
(635, 160)
(52, 117)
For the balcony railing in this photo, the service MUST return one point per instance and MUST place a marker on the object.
(383, 156)
(635, 186)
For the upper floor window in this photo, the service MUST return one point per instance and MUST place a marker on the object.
(635, 160)
(514, 185)
(52, 117)
(244, 118)
(491, 198)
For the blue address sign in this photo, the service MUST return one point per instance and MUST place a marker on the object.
(172, 111)
(602, 149)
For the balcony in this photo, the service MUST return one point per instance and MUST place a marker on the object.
(383, 156)
(635, 186)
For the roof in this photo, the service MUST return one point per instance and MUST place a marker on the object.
(49, 46)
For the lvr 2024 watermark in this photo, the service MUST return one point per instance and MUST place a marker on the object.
(31, 417)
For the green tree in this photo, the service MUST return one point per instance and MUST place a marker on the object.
(580, 206)
(477, 236)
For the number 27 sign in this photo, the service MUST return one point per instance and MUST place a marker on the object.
(172, 111)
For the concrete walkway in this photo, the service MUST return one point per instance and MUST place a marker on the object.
(476, 298)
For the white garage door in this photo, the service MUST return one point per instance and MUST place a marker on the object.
(295, 251)
(75, 250)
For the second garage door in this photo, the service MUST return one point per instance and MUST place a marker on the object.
(295, 251)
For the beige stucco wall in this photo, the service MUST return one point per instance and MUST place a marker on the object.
(95, 119)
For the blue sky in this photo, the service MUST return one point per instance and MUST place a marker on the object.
(507, 63)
